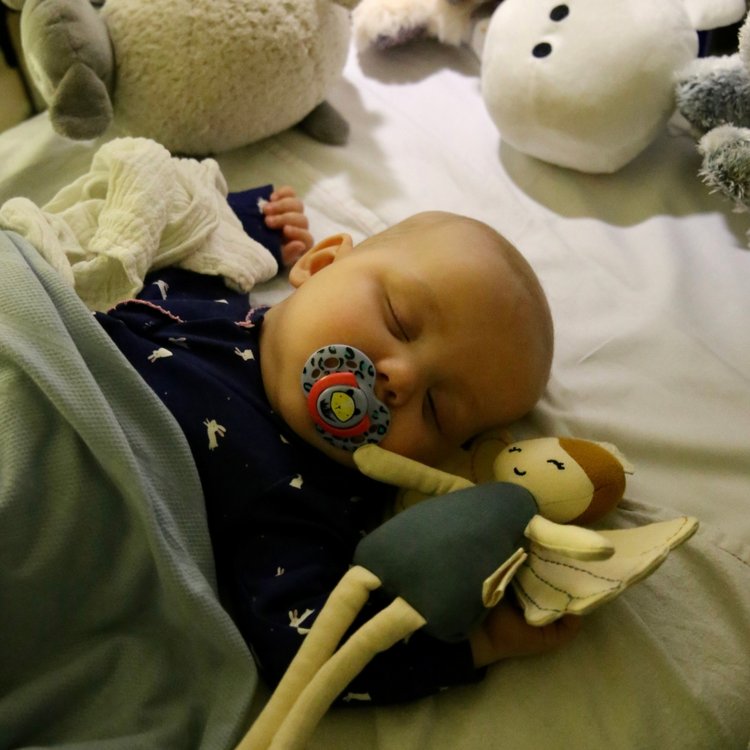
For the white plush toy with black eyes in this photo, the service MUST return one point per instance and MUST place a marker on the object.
(585, 84)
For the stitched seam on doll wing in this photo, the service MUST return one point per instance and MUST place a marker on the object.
(522, 590)
(615, 583)
(676, 533)
(570, 597)
(661, 543)
(570, 566)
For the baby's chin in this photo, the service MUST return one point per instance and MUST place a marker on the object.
(339, 455)
(296, 417)
(312, 437)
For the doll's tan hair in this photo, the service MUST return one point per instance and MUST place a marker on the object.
(605, 472)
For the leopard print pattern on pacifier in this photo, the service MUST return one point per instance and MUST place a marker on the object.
(339, 384)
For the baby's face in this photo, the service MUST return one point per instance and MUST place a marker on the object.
(451, 329)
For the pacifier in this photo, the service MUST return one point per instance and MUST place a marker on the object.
(339, 385)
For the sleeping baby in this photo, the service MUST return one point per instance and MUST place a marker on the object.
(418, 338)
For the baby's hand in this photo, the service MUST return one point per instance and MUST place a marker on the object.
(286, 212)
(505, 633)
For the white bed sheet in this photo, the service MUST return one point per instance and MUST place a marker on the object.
(649, 280)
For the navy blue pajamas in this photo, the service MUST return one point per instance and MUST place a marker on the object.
(284, 519)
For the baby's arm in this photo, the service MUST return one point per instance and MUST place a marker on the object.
(504, 633)
(285, 212)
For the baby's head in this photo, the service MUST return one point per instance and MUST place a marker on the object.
(448, 311)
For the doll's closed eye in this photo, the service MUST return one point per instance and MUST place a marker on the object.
(558, 464)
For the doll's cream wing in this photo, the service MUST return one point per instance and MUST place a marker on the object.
(550, 584)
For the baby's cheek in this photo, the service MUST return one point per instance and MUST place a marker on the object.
(349, 317)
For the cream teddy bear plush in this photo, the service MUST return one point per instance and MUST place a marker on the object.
(198, 76)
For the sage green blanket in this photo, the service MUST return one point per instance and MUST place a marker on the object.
(111, 633)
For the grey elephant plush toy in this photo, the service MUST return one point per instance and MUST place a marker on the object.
(713, 94)
(199, 76)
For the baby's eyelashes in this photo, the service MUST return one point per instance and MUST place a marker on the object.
(432, 411)
(398, 329)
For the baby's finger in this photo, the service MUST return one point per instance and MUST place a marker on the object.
(298, 234)
(289, 218)
(285, 191)
(291, 252)
(282, 200)
(284, 205)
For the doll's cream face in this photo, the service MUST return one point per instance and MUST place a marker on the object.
(448, 325)
(560, 486)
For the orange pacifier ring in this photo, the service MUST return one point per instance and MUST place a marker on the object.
(339, 385)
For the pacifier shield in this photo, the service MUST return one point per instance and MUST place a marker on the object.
(339, 385)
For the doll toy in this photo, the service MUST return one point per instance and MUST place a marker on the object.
(448, 559)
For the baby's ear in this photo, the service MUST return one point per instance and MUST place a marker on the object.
(319, 256)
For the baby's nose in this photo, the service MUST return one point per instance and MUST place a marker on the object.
(396, 381)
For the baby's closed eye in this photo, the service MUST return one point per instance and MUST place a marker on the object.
(396, 325)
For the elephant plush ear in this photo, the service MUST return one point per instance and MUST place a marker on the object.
(70, 58)
(326, 125)
(16, 5)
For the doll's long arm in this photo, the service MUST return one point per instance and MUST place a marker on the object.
(574, 541)
(317, 675)
(343, 605)
(389, 626)
(384, 466)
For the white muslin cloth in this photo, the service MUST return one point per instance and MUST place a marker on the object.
(138, 209)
